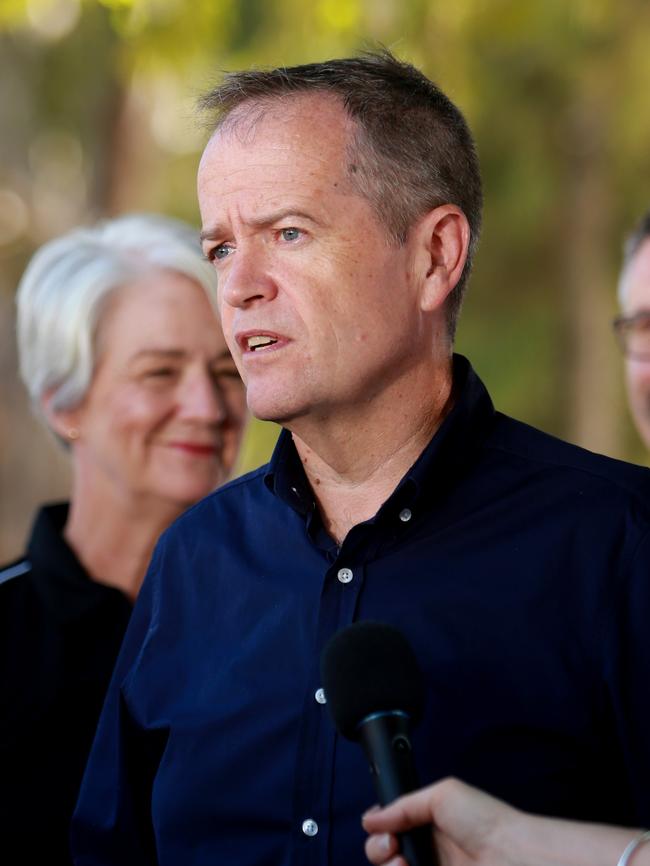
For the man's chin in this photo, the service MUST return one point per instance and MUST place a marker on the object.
(275, 414)
(279, 410)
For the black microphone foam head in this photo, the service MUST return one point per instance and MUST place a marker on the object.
(369, 667)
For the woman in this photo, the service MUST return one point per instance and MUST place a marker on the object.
(123, 357)
(474, 828)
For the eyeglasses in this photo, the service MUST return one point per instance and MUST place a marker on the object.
(633, 334)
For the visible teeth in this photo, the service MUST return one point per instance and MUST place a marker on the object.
(259, 341)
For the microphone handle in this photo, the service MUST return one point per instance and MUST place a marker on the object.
(386, 740)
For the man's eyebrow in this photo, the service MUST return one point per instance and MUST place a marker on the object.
(263, 221)
(211, 234)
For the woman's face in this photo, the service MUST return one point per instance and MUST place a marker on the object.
(164, 413)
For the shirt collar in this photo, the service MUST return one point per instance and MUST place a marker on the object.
(60, 579)
(451, 448)
(286, 478)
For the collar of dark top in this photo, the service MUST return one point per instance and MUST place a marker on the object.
(58, 576)
(448, 454)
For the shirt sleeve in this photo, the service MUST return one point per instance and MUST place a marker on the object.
(112, 821)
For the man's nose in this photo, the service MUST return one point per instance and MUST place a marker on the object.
(247, 280)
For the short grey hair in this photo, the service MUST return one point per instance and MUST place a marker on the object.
(66, 287)
(412, 150)
(631, 246)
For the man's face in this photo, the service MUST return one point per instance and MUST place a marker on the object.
(317, 304)
(636, 299)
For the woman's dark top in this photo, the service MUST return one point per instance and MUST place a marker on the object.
(60, 633)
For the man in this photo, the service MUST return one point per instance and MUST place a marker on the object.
(633, 326)
(341, 206)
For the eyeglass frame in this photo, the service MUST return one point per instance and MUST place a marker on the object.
(622, 323)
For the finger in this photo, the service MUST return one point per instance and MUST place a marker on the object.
(380, 847)
(404, 814)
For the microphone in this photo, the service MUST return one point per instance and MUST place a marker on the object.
(375, 692)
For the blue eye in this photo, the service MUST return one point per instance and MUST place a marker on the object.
(220, 252)
(290, 234)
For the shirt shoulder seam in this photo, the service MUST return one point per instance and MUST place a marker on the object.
(583, 470)
(564, 464)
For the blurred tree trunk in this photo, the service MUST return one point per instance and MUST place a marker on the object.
(594, 389)
(60, 92)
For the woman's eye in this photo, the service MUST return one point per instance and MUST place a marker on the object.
(160, 372)
(290, 234)
(226, 378)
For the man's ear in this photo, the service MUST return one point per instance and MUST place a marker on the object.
(66, 423)
(441, 239)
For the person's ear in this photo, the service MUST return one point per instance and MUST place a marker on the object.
(441, 239)
(66, 423)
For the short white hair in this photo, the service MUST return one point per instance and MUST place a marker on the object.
(68, 283)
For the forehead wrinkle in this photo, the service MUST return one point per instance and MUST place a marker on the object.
(264, 155)
(264, 221)
(300, 198)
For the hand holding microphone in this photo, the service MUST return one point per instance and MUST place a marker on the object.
(375, 694)
(471, 827)
(476, 829)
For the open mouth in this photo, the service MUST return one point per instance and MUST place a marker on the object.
(259, 342)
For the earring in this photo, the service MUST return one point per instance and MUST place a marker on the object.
(72, 433)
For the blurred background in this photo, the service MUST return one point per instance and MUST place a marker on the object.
(97, 118)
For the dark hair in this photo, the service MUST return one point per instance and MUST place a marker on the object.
(412, 151)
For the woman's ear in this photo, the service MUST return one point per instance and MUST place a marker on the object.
(441, 242)
(66, 423)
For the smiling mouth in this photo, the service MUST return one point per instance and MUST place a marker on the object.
(197, 449)
(259, 343)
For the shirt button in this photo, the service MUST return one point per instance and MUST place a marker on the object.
(309, 827)
(320, 696)
(405, 515)
(345, 575)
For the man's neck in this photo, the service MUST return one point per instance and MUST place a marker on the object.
(354, 464)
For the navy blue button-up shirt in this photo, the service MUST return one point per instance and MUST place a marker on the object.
(516, 565)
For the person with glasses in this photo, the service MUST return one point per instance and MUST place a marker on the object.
(632, 327)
